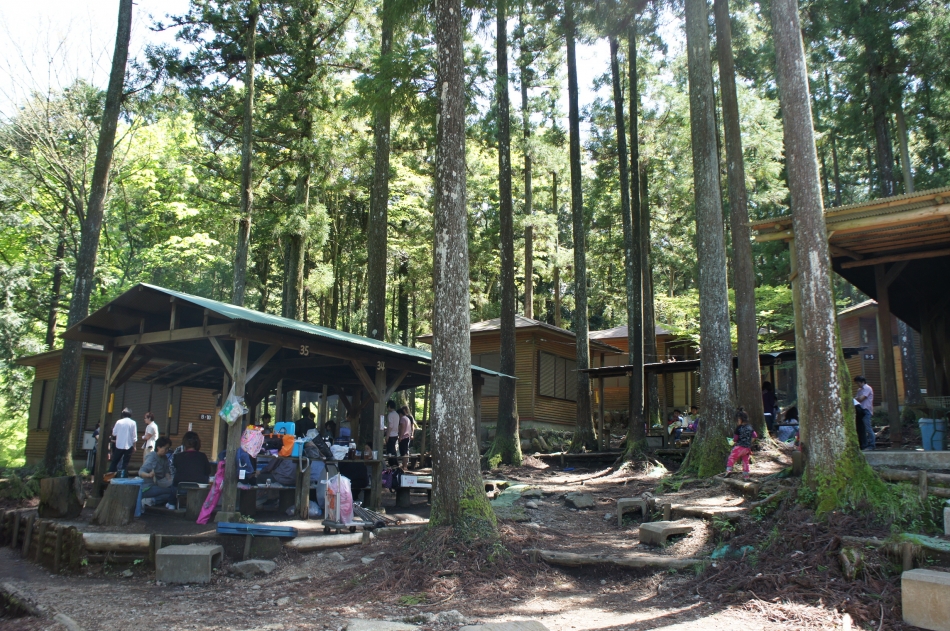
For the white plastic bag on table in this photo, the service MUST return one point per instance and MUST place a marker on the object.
(339, 452)
(339, 489)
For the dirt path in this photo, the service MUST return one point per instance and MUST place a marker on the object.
(324, 590)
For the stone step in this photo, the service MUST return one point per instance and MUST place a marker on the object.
(187, 564)
(925, 599)
(656, 533)
(627, 504)
(731, 513)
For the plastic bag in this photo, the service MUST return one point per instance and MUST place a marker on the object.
(251, 441)
(342, 495)
(339, 452)
(233, 408)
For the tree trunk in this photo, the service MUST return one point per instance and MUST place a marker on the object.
(649, 319)
(524, 70)
(61, 498)
(402, 301)
(833, 462)
(247, 166)
(905, 151)
(909, 365)
(585, 436)
(708, 453)
(56, 293)
(296, 239)
(506, 447)
(750, 386)
(636, 437)
(557, 270)
(458, 495)
(117, 506)
(57, 457)
(379, 198)
(882, 135)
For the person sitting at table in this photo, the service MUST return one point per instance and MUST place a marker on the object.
(266, 423)
(788, 429)
(158, 487)
(305, 423)
(677, 424)
(191, 465)
(281, 470)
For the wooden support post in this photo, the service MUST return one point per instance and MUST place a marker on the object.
(425, 418)
(105, 413)
(15, 531)
(28, 535)
(221, 428)
(922, 482)
(477, 381)
(379, 442)
(907, 555)
(601, 423)
(324, 410)
(228, 510)
(41, 529)
(58, 549)
(886, 353)
(667, 512)
(302, 508)
(279, 403)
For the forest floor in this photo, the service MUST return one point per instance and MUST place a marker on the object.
(783, 571)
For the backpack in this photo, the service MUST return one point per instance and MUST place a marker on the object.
(388, 479)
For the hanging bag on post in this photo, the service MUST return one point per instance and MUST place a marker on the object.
(251, 441)
(233, 408)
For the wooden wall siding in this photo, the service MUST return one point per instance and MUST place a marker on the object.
(134, 394)
(524, 371)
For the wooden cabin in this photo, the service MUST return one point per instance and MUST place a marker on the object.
(677, 390)
(858, 326)
(177, 409)
(545, 368)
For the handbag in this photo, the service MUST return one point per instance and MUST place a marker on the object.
(287, 447)
(252, 440)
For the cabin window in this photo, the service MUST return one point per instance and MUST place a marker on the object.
(557, 377)
(41, 403)
(491, 361)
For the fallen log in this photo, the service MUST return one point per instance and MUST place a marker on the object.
(630, 561)
(323, 542)
(107, 542)
(748, 489)
(400, 530)
(771, 498)
(17, 599)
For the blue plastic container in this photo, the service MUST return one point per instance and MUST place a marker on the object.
(933, 433)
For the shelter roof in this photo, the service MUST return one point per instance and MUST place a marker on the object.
(163, 324)
(620, 332)
(525, 324)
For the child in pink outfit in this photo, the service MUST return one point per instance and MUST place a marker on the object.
(742, 439)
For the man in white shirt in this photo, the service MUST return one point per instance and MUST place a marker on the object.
(392, 428)
(151, 432)
(125, 431)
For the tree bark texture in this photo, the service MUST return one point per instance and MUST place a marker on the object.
(585, 436)
(295, 237)
(708, 453)
(247, 161)
(524, 73)
(376, 253)
(402, 300)
(649, 319)
(56, 293)
(749, 382)
(631, 251)
(117, 506)
(829, 444)
(57, 457)
(886, 353)
(884, 152)
(458, 495)
(556, 281)
(506, 447)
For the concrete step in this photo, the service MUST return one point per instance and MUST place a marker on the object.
(187, 564)
(656, 533)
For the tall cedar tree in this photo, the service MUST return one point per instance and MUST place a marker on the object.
(57, 458)
(631, 257)
(506, 447)
(376, 253)
(524, 73)
(749, 390)
(834, 464)
(584, 435)
(247, 159)
(458, 497)
(708, 453)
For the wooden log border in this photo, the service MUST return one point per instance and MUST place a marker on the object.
(56, 547)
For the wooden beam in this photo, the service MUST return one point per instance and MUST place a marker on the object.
(107, 391)
(395, 384)
(179, 335)
(894, 272)
(367, 382)
(894, 258)
(223, 355)
(203, 371)
(125, 359)
(131, 369)
(262, 360)
(93, 334)
(229, 510)
(173, 320)
(837, 250)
